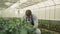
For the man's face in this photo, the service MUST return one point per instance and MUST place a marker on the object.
(28, 13)
(29, 16)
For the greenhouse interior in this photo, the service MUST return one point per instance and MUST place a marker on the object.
(47, 12)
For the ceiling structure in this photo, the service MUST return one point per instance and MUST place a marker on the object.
(6, 3)
(24, 3)
(41, 3)
(30, 3)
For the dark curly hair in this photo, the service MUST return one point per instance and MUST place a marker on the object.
(28, 12)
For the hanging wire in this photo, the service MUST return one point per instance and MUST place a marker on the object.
(54, 8)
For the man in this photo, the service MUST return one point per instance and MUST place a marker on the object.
(29, 17)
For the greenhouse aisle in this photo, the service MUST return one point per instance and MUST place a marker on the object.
(47, 12)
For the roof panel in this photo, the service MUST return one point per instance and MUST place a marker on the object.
(30, 3)
(57, 1)
(48, 3)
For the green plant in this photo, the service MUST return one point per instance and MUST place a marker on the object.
(15, 26)
(50, 26)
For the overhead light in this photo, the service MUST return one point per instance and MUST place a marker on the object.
(23, 1)
(8, 3)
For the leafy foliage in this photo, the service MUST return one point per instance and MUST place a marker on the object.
(50, 26)
(15, 26)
